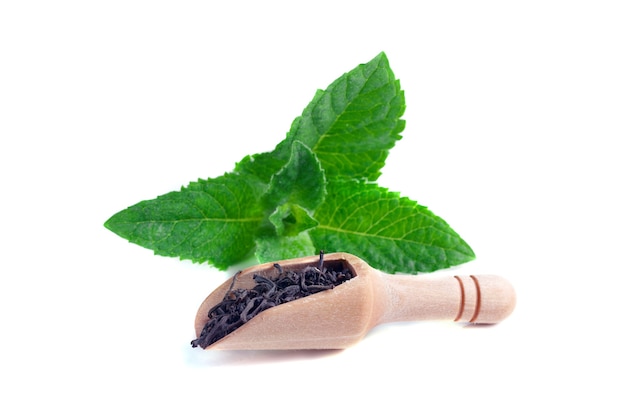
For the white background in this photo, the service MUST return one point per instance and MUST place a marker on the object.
(515, 117)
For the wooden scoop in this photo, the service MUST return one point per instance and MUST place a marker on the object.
(338, 318)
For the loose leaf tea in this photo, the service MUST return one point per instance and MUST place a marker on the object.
(241, 305)
(315, 191)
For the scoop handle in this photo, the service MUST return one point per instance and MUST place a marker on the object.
(462, 298)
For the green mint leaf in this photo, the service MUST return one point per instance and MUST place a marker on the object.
(352, 124)
(300, 181)
(258, 169)
(274, 248)
(213, 221)
(291, 219)
(390, 232)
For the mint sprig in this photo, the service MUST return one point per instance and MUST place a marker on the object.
(314, 191)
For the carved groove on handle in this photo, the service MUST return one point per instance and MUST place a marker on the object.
(477, 309)
(462, 303)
